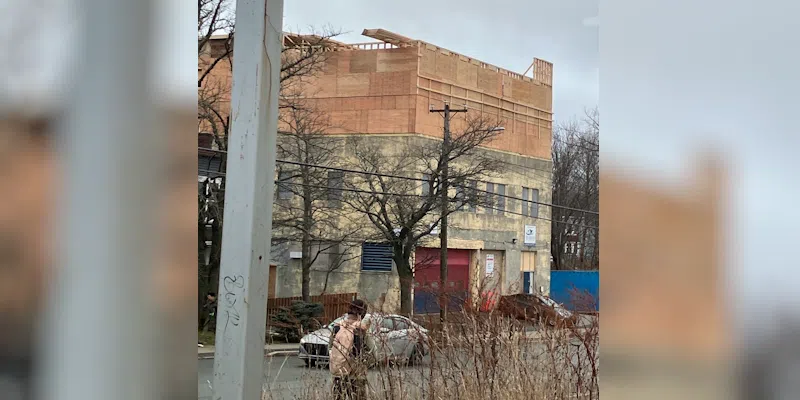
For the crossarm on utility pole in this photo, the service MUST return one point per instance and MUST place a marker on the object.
(244, 270)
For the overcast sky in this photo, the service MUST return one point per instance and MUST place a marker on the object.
(505, 33)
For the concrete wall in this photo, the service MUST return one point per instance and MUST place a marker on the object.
(502, 235)
(381, 290)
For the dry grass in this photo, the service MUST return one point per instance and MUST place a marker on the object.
(484, 356)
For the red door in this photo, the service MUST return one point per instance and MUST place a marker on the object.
(426, 279)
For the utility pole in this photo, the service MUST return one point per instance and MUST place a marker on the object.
(250, 175)
(96, 315)
(445, 200)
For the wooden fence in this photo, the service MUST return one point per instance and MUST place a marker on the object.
(334, 305)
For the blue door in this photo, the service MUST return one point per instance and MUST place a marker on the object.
(527, 282)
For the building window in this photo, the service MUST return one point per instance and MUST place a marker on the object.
(284, 185)
(335, 256)
(501, 198)
(427, 186)
(335, 181)
(461, 197)
(530, 206)
(490, 204)
(571, 248)
(525, 207)
(472, 196)
(205, 140)
(376, 257)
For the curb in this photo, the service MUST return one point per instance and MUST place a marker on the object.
(267, 353)
(278, 353)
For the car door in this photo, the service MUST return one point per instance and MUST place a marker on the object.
(383, 327)
(401, 338)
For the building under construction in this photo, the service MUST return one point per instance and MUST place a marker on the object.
(386, 88)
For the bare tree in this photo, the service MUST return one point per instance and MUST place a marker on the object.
(402, 211)
(576, 184)
(211, 199)
(339, 254)
(302, 57)
(308, 207)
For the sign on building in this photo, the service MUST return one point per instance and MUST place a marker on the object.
(530, 235)
(489, 264)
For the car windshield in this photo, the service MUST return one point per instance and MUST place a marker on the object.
(336, 321)
(400, 324)
(340, 319)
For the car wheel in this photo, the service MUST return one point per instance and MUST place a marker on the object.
(417, 354)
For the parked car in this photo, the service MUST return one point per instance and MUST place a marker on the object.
(538, 308)
(391, 338)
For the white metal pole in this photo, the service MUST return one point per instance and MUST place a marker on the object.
(249, 188)
(98, 318)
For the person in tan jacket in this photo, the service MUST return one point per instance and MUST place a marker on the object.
(348, 354)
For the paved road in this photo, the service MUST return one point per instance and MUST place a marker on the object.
(284, 371)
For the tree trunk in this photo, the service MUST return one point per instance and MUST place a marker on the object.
(306, 268)
(308, 223)
(325, 283)
(406, 281)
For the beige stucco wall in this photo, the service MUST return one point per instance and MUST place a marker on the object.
(502, 235)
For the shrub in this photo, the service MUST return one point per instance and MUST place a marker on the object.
(294, 321)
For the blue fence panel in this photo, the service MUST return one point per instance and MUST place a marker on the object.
(564, 285)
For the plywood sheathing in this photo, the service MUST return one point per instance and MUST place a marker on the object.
(442, 65)
(390, 90)
(395, 60)
(363, 62)
(528, 126)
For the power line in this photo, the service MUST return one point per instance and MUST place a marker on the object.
(384, 175)
(373, 192)
(426, 181)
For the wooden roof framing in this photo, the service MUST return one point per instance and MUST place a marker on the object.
(542, 70)
(298, 40)
(388, 37)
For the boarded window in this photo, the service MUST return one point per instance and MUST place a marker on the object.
(472, 196)
(461, 197)
(501, 198)
(525, 207)
(335, 181)
(490, 202)
(534, 203)
(530, 207)
(427, 186)
(284, 185)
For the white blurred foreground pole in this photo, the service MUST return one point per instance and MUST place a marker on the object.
(249, 188)
(99, 313)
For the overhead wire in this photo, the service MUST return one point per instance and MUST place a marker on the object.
(373, 192)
